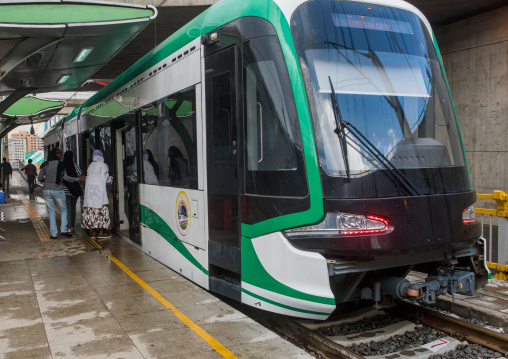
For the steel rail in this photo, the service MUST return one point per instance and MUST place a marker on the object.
(302, 335)
(470, 332)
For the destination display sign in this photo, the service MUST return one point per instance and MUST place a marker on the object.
(372, 23)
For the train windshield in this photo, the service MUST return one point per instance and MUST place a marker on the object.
(376, 68)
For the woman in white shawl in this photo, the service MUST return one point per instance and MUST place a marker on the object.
(95, 203)
(149, 173)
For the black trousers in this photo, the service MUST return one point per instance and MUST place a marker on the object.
(31, 183)
(71, 211)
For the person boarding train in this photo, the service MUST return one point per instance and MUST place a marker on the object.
(53, 175)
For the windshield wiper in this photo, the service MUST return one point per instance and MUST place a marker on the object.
(397, 176)
(339, 130)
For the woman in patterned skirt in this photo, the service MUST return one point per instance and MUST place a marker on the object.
(95, 204)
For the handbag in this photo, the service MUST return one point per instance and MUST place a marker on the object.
(74, 188)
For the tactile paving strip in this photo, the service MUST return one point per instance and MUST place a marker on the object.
(39, 225)
(85, 241)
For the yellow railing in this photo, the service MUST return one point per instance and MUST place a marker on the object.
(501, 212)
(501, 199)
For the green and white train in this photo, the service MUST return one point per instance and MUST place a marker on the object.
(301, 155)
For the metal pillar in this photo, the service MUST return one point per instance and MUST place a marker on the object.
(502, 241)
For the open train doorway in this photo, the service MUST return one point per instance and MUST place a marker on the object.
(127, 184)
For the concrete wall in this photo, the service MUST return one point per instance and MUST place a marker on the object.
(475, 56)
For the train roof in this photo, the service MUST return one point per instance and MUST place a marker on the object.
(53, 129)
(215, 16)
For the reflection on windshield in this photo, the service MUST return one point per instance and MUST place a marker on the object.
(356, 73)
(387, 77)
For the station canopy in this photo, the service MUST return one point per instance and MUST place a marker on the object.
(50, 45)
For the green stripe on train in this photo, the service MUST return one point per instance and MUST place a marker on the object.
(155, 222)
(453, 105)
(283, 305)
(255, 274)
(229, 10)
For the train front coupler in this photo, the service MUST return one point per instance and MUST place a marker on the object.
(448, 279)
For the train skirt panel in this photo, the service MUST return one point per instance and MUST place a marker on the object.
(280, 278)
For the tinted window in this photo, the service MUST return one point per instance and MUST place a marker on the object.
(221, 117)
(70, 143)
(273, 150)
(169, 141)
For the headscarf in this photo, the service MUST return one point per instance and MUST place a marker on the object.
(97, 156)
(150, 177)
(179, 166)
(69, 164)
(154, 164)
(174, 152)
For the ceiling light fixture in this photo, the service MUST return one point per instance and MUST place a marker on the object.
(83, 54)
(63, 78)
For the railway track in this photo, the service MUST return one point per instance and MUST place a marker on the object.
(406, 331)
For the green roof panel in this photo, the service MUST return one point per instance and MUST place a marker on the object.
(32, 106)
(51, 13)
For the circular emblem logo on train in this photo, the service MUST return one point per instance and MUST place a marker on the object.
(183, 213)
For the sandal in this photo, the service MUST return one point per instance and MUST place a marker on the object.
(104, 236)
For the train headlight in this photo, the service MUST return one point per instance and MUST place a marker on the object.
(341, 224)
(360, 224)
(468, 215)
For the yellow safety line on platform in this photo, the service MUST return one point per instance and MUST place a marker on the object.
(188, 322)
(33, 214)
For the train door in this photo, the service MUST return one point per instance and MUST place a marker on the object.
(222, 118)
(222, 148)
(126, 179)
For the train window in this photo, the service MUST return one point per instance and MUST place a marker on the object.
(222, 126)
(273, 153)
(70, 144)
(169, 141)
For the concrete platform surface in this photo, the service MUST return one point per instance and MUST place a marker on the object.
(60, 299)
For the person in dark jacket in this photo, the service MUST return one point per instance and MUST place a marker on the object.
(31, 173)
(6, 172)
(53, 192)
(178, 167)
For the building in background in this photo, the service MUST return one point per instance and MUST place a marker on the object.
(33, 142)
(17, 149)
(21, 143)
